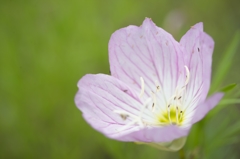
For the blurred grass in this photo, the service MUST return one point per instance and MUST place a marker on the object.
(226, 62)
(47, 46)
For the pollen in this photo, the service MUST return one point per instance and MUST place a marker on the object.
(172, 116)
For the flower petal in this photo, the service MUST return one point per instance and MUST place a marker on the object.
(206, 106)
(148, 52)
(99, 96)
(198, 57)
(157, 134)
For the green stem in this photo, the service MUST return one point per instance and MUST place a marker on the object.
(181, 154)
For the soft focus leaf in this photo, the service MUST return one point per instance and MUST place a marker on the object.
(225, 102)
(232, 130)
(220, 136)
(226, 141)
(226, 63)
(222, 104)
(237, 93)
(228, 88)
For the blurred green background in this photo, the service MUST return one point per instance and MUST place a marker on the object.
(46, 46)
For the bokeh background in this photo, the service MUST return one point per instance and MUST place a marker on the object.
(46, 46)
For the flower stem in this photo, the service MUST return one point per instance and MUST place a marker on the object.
(181, 154)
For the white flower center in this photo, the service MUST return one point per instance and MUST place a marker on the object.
(151, 114)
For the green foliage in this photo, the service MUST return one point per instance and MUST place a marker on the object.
(47, 46)
(226, 62)
(228, 88)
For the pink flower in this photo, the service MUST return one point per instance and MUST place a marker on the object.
(158, 86)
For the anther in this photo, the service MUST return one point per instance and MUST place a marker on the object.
(124, 116)
(124, 113)
(154, 102)
(157, 86)
(187, 75)
(179, 97)
(181, 113)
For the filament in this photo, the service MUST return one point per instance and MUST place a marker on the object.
(142, 87)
